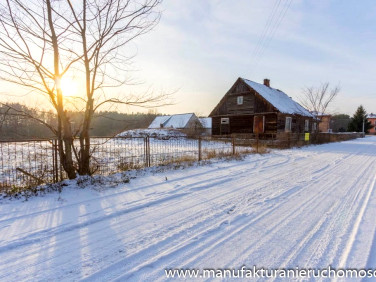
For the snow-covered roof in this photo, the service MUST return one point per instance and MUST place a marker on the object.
(278, 99)
(178, 121)
(206, 122)
(156, 123)
(371, 115)
(173, 121)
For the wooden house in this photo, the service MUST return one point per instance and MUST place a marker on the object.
(250, 107)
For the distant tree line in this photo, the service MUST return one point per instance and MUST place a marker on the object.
(343, 122)
(340, 122)
(16, 122)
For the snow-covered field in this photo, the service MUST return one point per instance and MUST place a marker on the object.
(310, 207)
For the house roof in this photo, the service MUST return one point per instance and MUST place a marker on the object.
(371, 115)
(156, 123)
(278, 99)
(173, 121)
(206, 122)
(178, 121)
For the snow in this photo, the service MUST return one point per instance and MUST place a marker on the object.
(310, 207)
(156, 123)
(178, 121)
(156, 133)
(206, 122)
(278, 99)
(174, 121)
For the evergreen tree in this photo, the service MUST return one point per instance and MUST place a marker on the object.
(356, 123)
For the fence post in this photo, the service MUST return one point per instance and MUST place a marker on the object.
(53, 161)
(148, 146)
(199, 149)
(56, 163)
(233, 145)
(145, 152)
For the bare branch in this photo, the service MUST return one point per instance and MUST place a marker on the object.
(317, 99)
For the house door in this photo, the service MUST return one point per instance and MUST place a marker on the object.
(258, 124)
(225, 126)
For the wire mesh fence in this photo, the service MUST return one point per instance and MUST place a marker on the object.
(27, 163)
(33, 162)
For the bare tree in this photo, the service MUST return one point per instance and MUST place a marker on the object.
(41, 41)
(317, 99)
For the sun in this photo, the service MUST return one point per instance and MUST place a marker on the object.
(69, 86)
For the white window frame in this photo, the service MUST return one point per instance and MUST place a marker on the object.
(225, 120)
(306, 125)
(240, 100)
(314, 126)
(288, 125)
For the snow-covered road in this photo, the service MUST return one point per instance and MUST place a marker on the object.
(310, 207)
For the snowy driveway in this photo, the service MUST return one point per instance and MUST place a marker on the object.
(310, 207)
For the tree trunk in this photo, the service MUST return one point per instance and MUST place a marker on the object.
(84, 163)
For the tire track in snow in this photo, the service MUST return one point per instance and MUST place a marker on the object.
(326, 228)
(182, 199)
(350, 242)
(281, 222)
(216, 239)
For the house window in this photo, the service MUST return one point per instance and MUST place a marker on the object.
(314, 126)
(288, 124)
(306, 125)
(225, 121)
(240, 100)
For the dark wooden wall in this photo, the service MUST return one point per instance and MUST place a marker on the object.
(297, 125)
(244, 124)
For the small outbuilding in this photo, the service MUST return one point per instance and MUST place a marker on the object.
(188, 123)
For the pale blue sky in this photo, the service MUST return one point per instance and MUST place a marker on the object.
(200, 48)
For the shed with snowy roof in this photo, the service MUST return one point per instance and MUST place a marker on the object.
(250, 107)
(179, 121)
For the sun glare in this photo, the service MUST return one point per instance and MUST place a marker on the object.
(69, 87)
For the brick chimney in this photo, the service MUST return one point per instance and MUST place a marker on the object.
(267, 82)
